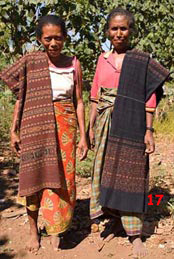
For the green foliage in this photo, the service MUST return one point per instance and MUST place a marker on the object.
(85, 21)
(19, 19)
(4, 62)
(164, 121)
(6, 110)
(165, 125)
(83, 168)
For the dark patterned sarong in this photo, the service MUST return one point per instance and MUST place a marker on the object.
(124, 183)
(125, 177)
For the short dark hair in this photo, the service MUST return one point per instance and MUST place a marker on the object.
(120, 11)
(50, 19)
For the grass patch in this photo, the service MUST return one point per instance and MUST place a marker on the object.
(164, 117)
(83, 168)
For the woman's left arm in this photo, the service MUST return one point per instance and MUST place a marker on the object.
(149, 138)
(82, 145)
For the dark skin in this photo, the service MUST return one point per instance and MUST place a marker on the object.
(118, 33)
(53, 39)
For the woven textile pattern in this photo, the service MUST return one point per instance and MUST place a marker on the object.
(58, 205)
(29, 79)
(103, 123)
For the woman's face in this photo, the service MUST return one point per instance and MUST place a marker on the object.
(52, 39)
(119, 31)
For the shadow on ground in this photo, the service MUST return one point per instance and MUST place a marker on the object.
(158, 209)
(80, 226)
(8, 190)
(5, 253)
(8, 181)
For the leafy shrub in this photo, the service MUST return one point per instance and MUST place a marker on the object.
(6, 110)
(164, 118)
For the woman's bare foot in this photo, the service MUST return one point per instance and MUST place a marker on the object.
(55, 241)
(139, 250)
(33, 244)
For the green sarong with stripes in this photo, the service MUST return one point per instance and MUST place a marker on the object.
(105, 106)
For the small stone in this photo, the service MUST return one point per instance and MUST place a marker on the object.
(94, 228)
(161, 246)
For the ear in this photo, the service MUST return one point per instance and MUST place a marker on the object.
(107, 34)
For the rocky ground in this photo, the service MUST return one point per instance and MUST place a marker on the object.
(79, 242)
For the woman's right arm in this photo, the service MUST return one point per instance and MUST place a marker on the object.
(14, 76)
(93, 115)
(15, 139)
(93, 106)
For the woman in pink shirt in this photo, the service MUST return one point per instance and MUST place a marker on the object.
(126, 89)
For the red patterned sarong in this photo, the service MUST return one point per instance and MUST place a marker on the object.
(58, 204)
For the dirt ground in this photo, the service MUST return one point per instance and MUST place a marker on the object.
(79, 242)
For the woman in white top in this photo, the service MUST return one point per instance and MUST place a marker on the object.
(48, 75)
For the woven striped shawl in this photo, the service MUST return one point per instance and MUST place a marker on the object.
(29, 79)
(140, 77)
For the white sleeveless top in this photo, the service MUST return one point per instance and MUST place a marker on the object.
(62, 82)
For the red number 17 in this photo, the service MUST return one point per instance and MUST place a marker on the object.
(160, 196)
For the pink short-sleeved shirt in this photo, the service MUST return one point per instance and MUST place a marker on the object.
(107, 75)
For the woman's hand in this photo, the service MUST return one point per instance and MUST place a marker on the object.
(149, 141)
(82, 149)
(91, 138)
(15, 143)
